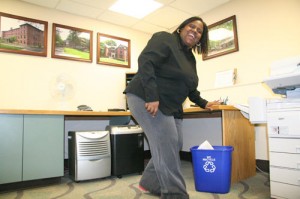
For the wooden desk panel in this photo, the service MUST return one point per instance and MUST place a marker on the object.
(239, 133)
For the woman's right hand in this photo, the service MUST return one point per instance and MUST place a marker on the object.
(209, 105)
(152, 107)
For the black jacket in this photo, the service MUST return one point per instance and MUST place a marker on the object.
(166, 73)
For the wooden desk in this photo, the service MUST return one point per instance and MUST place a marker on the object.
(238, 132)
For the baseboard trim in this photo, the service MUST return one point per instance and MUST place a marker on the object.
(184, 155)
(187, 156)
(28, 184)
(147, 154)
(263, 165)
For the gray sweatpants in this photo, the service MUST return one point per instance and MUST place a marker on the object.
(162, 175)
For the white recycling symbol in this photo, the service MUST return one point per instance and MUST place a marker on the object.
(209, 166)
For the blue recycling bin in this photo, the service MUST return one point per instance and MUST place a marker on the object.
(212, 168)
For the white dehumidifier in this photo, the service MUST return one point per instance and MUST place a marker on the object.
(89, 155)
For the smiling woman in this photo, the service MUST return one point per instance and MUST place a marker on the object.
(166, 77)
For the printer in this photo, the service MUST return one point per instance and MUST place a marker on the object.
(283, 124)
(284, 80)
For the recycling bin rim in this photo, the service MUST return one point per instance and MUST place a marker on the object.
(216, 148)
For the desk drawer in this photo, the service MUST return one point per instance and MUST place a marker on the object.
(288, 176)
(287, 145)
(287, 160)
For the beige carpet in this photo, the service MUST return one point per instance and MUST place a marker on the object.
(256, 187)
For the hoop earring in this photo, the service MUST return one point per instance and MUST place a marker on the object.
(178, 31)
(198, 44)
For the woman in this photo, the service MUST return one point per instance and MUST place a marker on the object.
(166, 77)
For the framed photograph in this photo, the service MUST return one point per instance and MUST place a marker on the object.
(23, 35)
(114, 51)
(72, 43)
(222, 38)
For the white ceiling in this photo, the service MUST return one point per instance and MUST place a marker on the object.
(167, 18)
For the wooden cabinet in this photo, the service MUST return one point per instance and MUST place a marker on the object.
(239, 133)
(31, 147)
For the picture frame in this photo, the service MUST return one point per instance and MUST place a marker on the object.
(113, 51)
(223, 38)
(72, 43)
(23, 35)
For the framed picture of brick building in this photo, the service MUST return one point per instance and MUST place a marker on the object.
(114, 51)
(72, 43)
(23, 35)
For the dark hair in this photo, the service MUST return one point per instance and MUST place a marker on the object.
(203, 47)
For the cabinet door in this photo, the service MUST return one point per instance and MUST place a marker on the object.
(11, 137)
(43, 146)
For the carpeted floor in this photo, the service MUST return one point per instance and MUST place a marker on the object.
(256, 187)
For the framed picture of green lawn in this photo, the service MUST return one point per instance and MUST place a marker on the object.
(23, 35)
(72, 43)
(114, 51)
(223, 38)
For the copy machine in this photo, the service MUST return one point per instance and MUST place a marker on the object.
(283, 122)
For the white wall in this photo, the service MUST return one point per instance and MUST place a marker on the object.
(26, 81)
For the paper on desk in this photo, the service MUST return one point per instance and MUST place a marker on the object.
(244, 109)
(206, 145)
